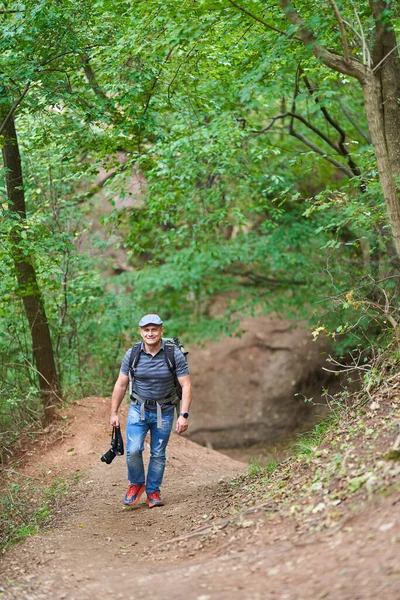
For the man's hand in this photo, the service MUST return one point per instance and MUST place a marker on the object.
(114, 421)
(181, 424)
(117, 396)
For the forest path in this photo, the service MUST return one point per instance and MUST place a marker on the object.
(98, 549)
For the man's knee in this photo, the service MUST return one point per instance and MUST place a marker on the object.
(159, 451)
(134, 449)
(133, 453)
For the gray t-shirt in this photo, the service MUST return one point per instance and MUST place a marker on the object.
(153, 379)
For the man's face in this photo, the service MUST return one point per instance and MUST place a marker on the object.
(151, 334)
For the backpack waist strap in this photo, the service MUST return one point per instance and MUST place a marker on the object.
(171, 399)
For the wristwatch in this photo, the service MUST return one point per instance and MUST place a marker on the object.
(184, 415)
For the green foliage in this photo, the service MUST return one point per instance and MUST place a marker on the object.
(196, 100)
(26, 506)
(259, 470)
(306, 444)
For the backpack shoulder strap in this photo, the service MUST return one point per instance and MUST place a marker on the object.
(169, 349)
(134, 358)
(133, 361)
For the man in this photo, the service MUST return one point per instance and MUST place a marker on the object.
(153, 385)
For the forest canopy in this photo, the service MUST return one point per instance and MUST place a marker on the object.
(162, 156)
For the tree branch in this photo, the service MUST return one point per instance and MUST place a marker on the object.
(92, 78)
(97, 187)
(61, 54)
(270, 124)
(353, 68)
(259, 278)
(306, 141)
(317, 132)
(345, 44)
(365, 49)
(319, 151)
(256, 18)
(154, 84)
(14, 107)
(177, 71)
(294, 115)
(385, 57)
(343, 150)
(355, 124)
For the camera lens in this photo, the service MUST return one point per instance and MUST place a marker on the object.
(108, 457)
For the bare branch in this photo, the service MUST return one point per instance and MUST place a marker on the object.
(53, 391)
(317, 131)
(342, 148)
(258, 278)
(61, 54)
(355, 124)
(256, 18)
(97, 187)
(270, 124)
(14, 107)
(321, 152)
(177, 71)
(306, 123)
(345, 44)
(308, 142)
(385, 57)
(155, 81)
(353, 67)
(92, 78)
(366, 53)
(49, 60)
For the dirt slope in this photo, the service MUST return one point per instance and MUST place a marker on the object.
(197, 546)
(250, 389)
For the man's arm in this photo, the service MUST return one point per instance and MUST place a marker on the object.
(182, 423)
(117, 396)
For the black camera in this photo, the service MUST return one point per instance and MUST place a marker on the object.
(109, 456)
(117, 446)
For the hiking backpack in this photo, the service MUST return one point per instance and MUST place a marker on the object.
(169, 352)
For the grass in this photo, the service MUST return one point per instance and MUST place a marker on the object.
(26, 506)
(305, 444)
(257, 469)
(342, 459)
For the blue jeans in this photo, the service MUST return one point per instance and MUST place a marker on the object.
(136, 431)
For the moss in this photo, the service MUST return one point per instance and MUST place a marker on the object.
(393, 455)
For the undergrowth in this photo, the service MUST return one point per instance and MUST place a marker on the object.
(302, 445)
(27, 506)
(307, 443)
(351, 453)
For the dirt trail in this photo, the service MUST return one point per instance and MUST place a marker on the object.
(99, 549)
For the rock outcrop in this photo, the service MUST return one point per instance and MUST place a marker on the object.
(252, 389)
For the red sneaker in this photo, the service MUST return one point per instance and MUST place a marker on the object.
(133, 494)
(154, 499)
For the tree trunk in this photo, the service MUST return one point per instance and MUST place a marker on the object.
(378, 127)
(381, 86)
(386, 63)
(28, 287)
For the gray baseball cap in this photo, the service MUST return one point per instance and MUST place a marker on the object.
(150, 320)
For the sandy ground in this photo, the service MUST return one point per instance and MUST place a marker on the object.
(196, 546)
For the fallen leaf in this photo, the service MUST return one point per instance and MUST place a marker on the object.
(386, 527)
(318, 508)
(246, 523)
